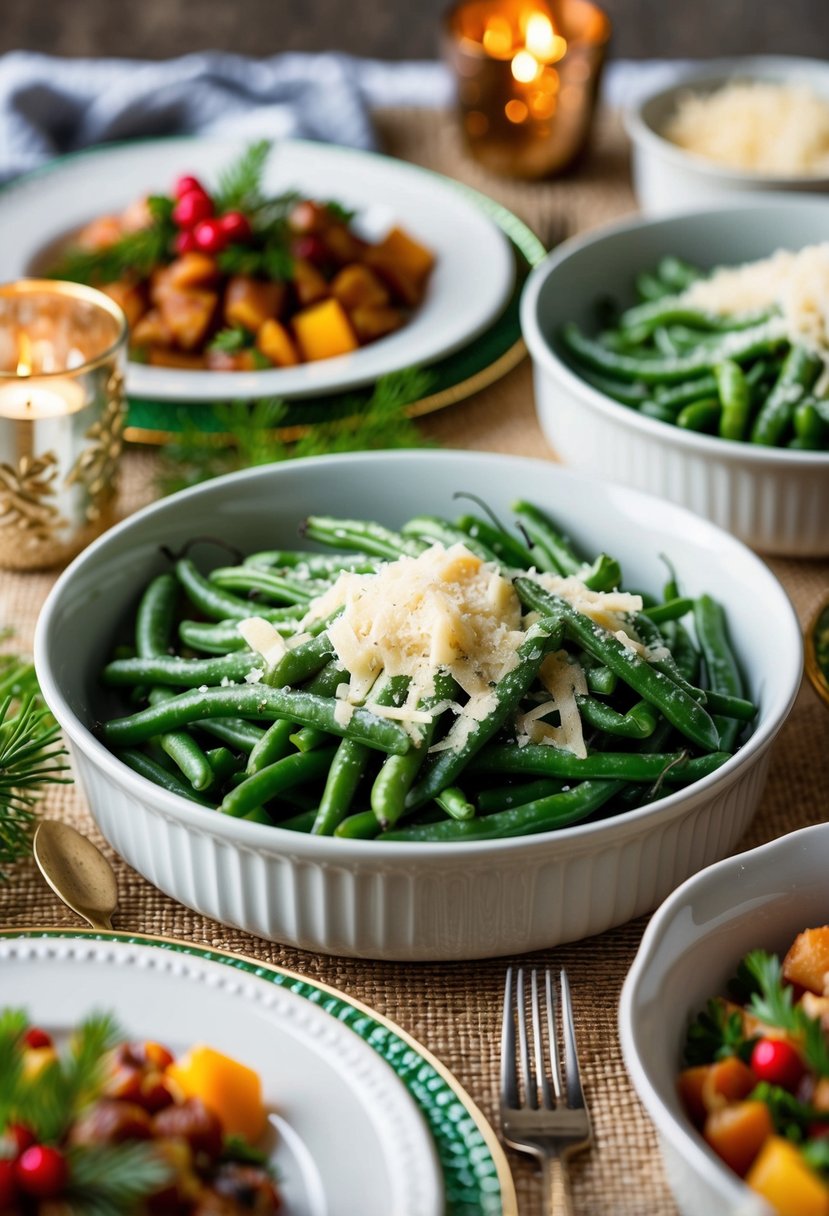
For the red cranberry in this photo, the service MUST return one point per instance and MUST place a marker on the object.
(41, 1171)
(192, 208)
(310, 249)
(8, 1183)
(209, 236)
(776, 1061)
(185, 242)
(236, 226)
(35, 1037)
(186, 185)
(20, 1137)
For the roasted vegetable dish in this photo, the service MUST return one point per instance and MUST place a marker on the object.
(108, 1127)
(757, 1081)
(234, 280)
(451, 681)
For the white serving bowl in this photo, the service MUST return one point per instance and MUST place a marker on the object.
(414, 901)
(667, 178)
(691, 948)
(775, 499)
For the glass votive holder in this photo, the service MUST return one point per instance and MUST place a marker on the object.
(62, 414)
(527, 76)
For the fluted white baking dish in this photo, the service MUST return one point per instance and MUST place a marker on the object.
(415, 901)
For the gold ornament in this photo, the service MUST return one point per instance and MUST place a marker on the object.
(25, 491)
(97, 465)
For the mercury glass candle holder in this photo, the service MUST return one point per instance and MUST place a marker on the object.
(62, 413)
(527, 75)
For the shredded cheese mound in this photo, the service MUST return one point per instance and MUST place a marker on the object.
(758, 126)
(262, 637)
(797, 284)
(564, 679)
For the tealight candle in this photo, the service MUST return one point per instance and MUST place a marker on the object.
(62, 356)
(527, 77)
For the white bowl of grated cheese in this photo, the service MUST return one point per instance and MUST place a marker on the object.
(425, 900)
(732, 127)
(776, 499)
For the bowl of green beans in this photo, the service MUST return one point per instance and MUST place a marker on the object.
(724, 413)
(552, 777)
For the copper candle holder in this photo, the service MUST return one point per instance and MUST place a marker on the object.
(62, 414)
(527, 75)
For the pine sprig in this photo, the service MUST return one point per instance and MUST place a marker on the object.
(249, 436)
(239, 187)
(135, 254)
(112, 1179)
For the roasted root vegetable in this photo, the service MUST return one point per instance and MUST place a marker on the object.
(204, 284)
(232, 1091)
(757, 1081)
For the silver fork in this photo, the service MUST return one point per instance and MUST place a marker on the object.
(542, 1108)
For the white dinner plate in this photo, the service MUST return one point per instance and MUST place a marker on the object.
(346, 1136)
(468, 288)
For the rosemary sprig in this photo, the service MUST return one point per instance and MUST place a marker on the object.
(134, 254)
(239, 187)
(249, 436)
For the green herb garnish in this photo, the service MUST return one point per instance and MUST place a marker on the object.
(773, 1003)
(716, 1034)
(240, 185)
(231, 340)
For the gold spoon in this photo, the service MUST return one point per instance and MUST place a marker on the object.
(77, 872)
(816, 673)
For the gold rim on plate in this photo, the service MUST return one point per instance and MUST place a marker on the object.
(508, 1195)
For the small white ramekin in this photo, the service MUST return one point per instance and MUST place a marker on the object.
(667, 178)
(691, 948)
(414, 901)
(774, 499)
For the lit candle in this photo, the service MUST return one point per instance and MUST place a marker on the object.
(527, 79)
(61, 419)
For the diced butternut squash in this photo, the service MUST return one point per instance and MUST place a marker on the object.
(737, 1132)
(782, 1177)
(404, 289)
(193, 270)
(342, 245)
(189, 315)
(399, 249)
(371, 323)
(358, 286)
(690, 1084)
(807, 962)
(820, 1097)
(130, 297)
(728, 1080)
(152, 330)
(230, 1089)
(249, 302)
(309, 285)
(324, 331)
(276, 344)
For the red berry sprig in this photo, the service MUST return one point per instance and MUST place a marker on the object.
(199, 228)
(41, 1171)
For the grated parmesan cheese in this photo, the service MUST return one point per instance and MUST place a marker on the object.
(262, 637)
(796, 284)
(758, 126)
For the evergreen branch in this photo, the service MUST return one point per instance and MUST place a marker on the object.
(112, 1179)
(239, 187)
(135, 254)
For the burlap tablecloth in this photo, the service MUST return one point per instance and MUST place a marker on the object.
(455, 1010)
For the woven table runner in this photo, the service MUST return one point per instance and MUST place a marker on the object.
(455, 1010)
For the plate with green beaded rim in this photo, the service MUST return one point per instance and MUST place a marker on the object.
(364, 1118)
(469, 287)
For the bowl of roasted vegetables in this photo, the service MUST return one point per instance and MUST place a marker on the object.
(724, 1030)
(355, 677)
(688, 357)
(290, 269)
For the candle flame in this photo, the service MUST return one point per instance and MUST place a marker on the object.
(498, 38)
(24, 356)
(525, 67)
(542, 40)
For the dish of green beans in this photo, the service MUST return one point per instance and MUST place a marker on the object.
(206, 717)
(735, 376)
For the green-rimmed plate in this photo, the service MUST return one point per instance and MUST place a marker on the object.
(351, 1133)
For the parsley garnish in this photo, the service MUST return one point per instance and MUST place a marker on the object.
(773, 1003)
(716, 1034)
(790, 1117)
(231, 340)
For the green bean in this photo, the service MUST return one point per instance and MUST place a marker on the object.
(362, 826)
(540, 760)
(269, 782)
(441, 769)
(605, 574)
(685, 654)
(505, 547)
(364, 536)
(313, 563)
(221, 638)
(257, 701)
(236, 732)
(184, 673)
(739, 346)
(274, 745)
(300, 663)
(701, 415)
(721, 667)
(544, 815)
(503, 797)
(302, 822)
(306, 738)
(219, 605)
(154, 619)
(676, 273)
(434, 530)
(183, 749)
(729, 706)
(600, 679)
(552, 551)
(455, 802)
(145, 766)
(735, 396)
(809, 426)
(634, 394)
(645, 318)
(686, 714)
(678, 395)
(278, 587)
(649, 287)
(659, 412)
(671, 610)
(638, 723)
(799, 371)
(223, 763)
